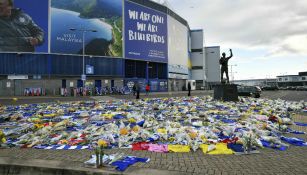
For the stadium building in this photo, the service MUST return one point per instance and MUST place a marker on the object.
(93, 44)
(292, 80)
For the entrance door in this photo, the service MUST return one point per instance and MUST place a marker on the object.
(63, 83)
(98, 83)
(18, 88)
(112, 83)
(79, 83)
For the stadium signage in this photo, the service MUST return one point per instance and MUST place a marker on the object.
(146, 33)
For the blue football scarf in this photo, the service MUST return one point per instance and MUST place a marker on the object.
(238, 148)
(122, 165)
(235, 147)
(64, 147)
(295, 132)
(272, 145)
(294, 141)
(300, 124)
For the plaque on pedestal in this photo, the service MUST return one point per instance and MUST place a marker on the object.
(226, 92)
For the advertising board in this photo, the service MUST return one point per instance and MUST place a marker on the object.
(24, 26)
(95, 23)
(145, 33)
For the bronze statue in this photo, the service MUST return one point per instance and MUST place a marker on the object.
(224, 63)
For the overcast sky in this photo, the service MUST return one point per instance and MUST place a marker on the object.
(268, 37)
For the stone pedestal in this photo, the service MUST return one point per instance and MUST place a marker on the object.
(226, 92)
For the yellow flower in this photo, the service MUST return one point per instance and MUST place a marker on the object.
(38, 125)
(280, 120)
(49, 115)
(193, 135)
(108, 116)
(132, 120)
(203, 138)
(102, 143)
(63, 142)
(3, 140)
(136, 128)
(162, 131)
(123, 131)
(171, 139)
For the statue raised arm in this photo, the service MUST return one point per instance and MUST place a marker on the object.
(224, 65)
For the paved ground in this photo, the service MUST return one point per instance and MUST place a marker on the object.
(41, 99)
(269, 161)
(285, 95)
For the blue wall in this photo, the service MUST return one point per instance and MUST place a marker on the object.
(45, 64)
(156, 85)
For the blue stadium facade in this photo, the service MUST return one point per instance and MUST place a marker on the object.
(49, 72)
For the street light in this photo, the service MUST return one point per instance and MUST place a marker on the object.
(83, 51)
(231, 72)
(233, 76)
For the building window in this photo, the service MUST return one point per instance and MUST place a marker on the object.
(129, 68)
(140, 69)
(280, 79)
(286, 79)
(135, 69)
(303, 78)
(162, 70)
(197, 50)
(152, 70)
(197, 67)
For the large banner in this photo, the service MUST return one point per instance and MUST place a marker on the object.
(98, 21)
(24, 25)
(178, 54)
(145, 33)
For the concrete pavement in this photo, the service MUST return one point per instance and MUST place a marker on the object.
(45, 99)
(285, 95)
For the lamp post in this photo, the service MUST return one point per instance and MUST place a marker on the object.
(83, 51)
(233, 76)
(231, 72)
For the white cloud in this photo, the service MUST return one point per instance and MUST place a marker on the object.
(268, 37)
(290, 46)
(276, 25)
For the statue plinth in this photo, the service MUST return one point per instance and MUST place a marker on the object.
(226, 92)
